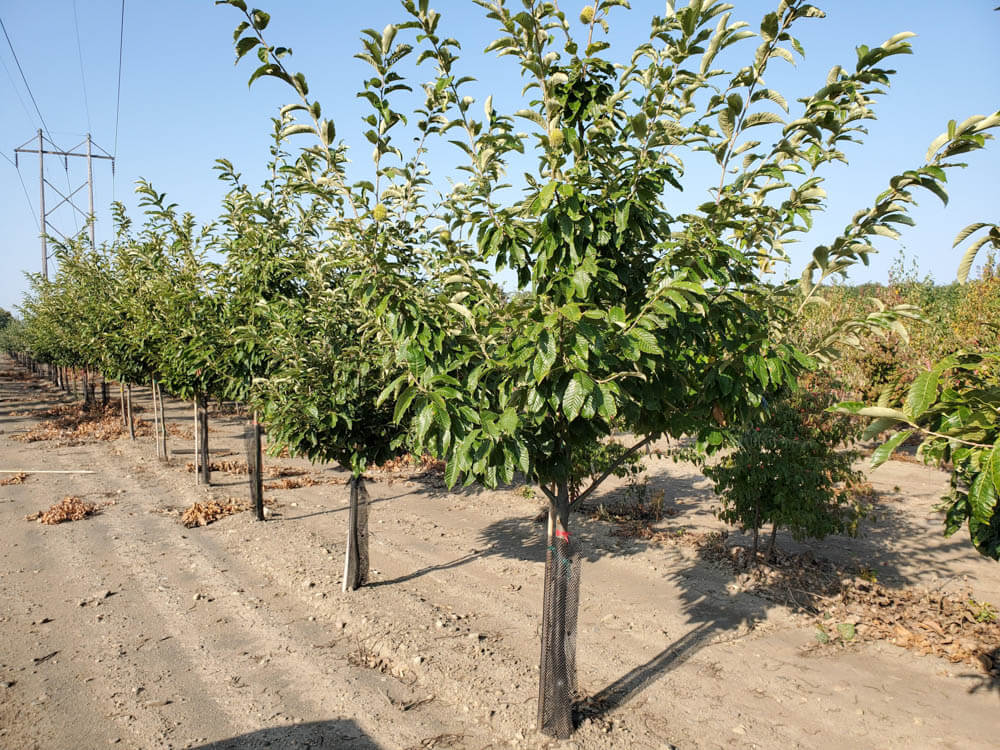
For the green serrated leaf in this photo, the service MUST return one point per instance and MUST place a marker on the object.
(424, 420)
(403, 403)
(992, 466)
(296, 129)
(982, 498)
(878, 426)
(463, 311)
(451, 472)
(508, 421)
(646, 341)
(544, 199)
(763, 118)
(245, 44)
(923, 393)
(882, 411)
(881, 454)
(573, 398)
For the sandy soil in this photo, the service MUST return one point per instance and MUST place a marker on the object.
(127, 629)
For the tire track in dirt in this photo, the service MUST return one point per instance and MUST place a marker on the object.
(209, 661)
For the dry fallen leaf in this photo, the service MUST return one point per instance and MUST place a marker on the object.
(14, 479)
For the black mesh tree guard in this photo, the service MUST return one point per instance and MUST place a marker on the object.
(560, 605)
(356, 554)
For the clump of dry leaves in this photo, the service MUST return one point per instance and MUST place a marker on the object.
(181, 433)
(954, 626)
(76, 423)
(426, 463)
(209, 511)
(14, 479)
(633, 519)
(849, 608)
(234, 467)
(293, 483)
(203, 513)
(70, 508)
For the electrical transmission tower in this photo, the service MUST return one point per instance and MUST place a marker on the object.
(54, 150)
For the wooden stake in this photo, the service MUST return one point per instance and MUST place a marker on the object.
(131, 420)
(163, 423)
(156, 421)
(197, 445)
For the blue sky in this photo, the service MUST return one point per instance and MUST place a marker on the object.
(184, 104)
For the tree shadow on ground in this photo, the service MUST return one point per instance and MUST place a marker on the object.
(523, 537)
(715, 616)
(341, 508)
(896, 545)
(456, 563)
(335, 733)
(985, 682)
(901, 546)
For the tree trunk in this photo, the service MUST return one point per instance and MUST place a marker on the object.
(121, 397)
(770, 544)
(104, 390)
(557, 678)
(756, 535)
(254, 461)
(356, 554)
(204, 468)
(86, 387)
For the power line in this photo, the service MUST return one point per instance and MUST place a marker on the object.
(79, 51)
(16, 92)
(33, 100)
(118, 98)
(23, 188)
(23, 77)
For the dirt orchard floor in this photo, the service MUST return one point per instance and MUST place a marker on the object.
(127, 629)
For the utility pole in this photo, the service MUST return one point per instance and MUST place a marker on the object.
(54, 150)
(41, 203)
(90, 189)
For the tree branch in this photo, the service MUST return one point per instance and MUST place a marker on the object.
(547, 492)
(593, 485)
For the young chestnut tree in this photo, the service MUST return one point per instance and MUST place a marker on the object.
(628, 314)
(341, 243)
